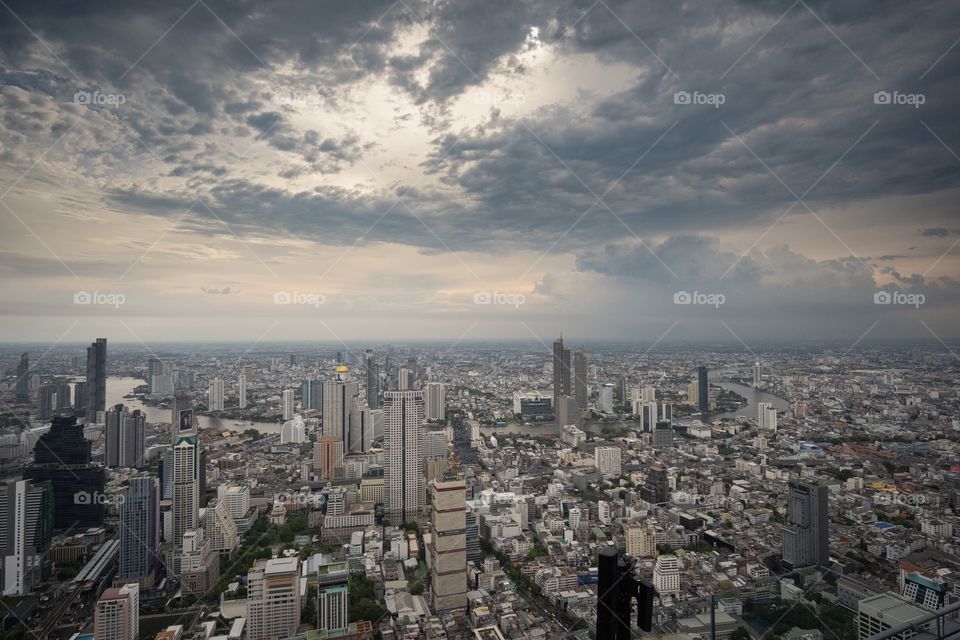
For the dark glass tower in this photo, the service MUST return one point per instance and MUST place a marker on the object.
(561, 373)
(62, 456)
(703, 390)
(23, 378)
(96, 378)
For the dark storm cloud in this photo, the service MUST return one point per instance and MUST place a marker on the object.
(799, 99)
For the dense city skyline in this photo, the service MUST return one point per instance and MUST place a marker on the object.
(473, 170)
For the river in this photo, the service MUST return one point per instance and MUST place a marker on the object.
(753, 397)
(117, 387)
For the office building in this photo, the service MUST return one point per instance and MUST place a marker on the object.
(703, 390)
(63, 456)
(80, 398)
(328, 457)
(806, 538)
(215, 395)
(124, 437)
(332, 608)
(26, 529)
(273, 599)
(293, 431)
(884, 611)
(580, 389)
(339, 397)
(436, 401)
(117, 614)
(365, 424)
(199, 564)
(220, 527)
(311, 395)
(96, 379)
(662, 436)
(666, 575)
(53, 399)
(23, 378)
(561, 375)
(373, 380)
(289, 408)
(242, 391)
(404, 379)
(608, 461)
(186, 467)
(605, 399)
(140, 531)
(448, 544)
(641, 542)
(757, 374)
(403, 464)
(236, 498)
(766, 416)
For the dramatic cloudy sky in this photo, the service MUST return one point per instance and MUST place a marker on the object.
(393, 161)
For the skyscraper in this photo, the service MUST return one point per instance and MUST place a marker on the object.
(332, 608)
(373, 380)
(117, 614)
(806, 536)
(311, 394)
(561, 373)
(328, 456)
(23, 378)
(448, 544)
(140, 531)
(403, 464)
(242, 391)
(289, 408)
(26, 528)
(757, 374)
(703, 390)
(339, 397)
(273, 599)
(96, 379)
(124, 437)
(436, 405)
(215, 395)
(62, 455)
(580, 378)
(186, 467)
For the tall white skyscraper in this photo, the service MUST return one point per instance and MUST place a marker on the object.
(288, 406)
(215, 395)
(766, 416)
(26, 528)
(605, 400)
(332, 608)
(242, 390)
(436, 405)
(186, 467)
(403, 464)
(757, 374)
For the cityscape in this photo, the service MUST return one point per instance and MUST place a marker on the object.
(504, 320)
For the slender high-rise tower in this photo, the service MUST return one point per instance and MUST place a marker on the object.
(806, 537)
(561, 373)
(96, 379)
(339, 397)
(23, 378)
(373, 380)
(703, 390)
(140, 531)
(448, 544)
(403, 464)
(580, 378)
(186, 467)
